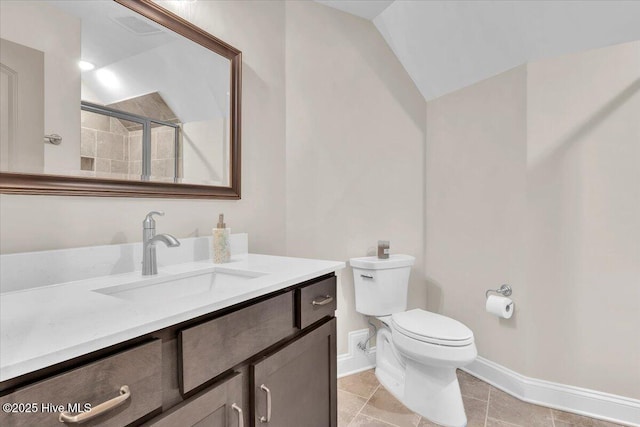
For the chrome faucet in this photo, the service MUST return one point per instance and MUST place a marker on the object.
(149, 240)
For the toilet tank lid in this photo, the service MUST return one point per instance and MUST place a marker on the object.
(375, 263)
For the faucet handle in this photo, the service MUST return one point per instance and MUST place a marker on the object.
(149, 222)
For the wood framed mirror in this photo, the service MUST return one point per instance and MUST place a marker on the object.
(152, 110)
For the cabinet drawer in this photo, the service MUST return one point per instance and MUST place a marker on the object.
(139, 369)
(315, 301)
(209, 349)
(219, 406)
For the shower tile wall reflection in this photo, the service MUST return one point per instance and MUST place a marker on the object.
(135, 152)
(111, 149)
(163, 152)
(104, 144)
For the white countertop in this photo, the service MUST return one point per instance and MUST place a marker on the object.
(42, 326)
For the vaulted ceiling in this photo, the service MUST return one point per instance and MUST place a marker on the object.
(447, 45)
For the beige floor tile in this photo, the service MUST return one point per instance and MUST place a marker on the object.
(476, 411)
(362, 384)
(348, 406)
(426, 423)
(496, 423)
(565, 419)
(502, 410)
(383, 406)
(504, 407)
(364, 421)
(471, 386)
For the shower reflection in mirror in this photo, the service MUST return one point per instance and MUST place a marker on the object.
(115, 142)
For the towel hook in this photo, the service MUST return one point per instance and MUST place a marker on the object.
(53, 138)
(505, 290)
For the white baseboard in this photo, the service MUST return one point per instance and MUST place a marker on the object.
(356, 360)
(590, 403)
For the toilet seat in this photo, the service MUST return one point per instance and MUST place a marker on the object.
(432, 328)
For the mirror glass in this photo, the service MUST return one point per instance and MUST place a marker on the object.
(94, 89)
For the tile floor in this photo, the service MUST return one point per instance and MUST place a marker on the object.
(363, 402)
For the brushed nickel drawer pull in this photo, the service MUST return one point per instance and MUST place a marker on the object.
(239, 411)
(268, 417)
(66, 417)
(327, 299)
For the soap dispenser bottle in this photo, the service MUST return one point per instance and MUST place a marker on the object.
(221, 246)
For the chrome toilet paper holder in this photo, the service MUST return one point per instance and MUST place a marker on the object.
(505, 290)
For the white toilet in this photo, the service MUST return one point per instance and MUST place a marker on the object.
(417, 351)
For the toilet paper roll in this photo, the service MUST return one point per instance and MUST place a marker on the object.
(500, 306)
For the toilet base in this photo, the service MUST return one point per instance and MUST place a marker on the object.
(390, 368)
(433, 392)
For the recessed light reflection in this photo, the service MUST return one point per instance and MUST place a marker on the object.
(107, 78)
(86, 66)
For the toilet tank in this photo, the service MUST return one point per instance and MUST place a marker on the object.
(381, 284)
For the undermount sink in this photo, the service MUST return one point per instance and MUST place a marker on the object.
(163, 288)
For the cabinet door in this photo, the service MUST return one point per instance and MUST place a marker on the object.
(296, 386)
(218, 406)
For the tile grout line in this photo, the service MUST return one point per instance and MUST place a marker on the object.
(507, 423)
(354, 394)
(378, 419)
(365, 404)
(486, 412)
(474, 398)
(382, 421)
(374, 418)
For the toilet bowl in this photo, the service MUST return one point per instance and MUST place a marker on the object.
(417, 352)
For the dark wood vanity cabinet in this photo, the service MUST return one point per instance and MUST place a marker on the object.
(212, 347)
(267, 362)
(42, 403)
(296, 386)
(218, 406)
(315, 301)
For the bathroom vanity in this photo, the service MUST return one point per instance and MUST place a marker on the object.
(255, 347)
